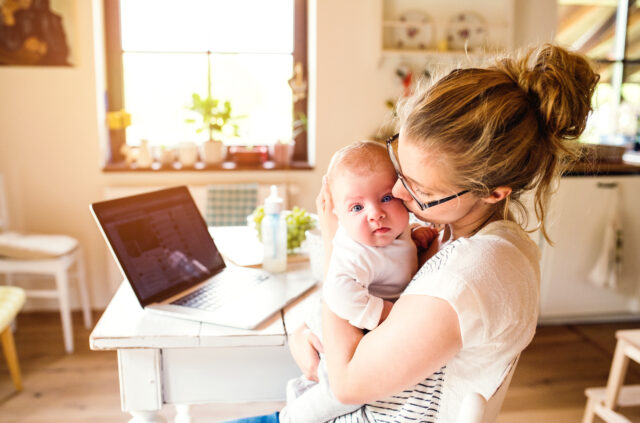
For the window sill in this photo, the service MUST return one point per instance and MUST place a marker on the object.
(202, 167)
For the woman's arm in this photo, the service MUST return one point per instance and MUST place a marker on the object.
(420, 335)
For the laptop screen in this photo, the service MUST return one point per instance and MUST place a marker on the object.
(161, 242)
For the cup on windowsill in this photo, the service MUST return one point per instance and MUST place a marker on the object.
(281, 153)
(187, 154)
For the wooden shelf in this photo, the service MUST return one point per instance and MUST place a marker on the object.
(499, 19)
(405, 24)
(449, 54)
(201, 167)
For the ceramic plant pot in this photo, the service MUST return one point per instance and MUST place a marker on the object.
(212, 152)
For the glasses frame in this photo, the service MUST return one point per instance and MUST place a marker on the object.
(396, 166)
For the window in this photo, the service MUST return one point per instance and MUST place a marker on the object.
(608, 32)
(161, 52)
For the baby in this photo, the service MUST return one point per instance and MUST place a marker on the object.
(373, 260)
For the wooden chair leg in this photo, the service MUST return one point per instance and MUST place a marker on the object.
(62, 282)
(81, 281)
(616, 375)
(589, 411)
(8, 280)
(9, 347)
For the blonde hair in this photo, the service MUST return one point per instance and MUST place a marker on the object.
(361, 158)
(511, 124)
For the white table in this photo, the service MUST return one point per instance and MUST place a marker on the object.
(164, 360)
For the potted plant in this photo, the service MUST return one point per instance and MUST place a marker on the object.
(216, 115)
(216, 120)
(282, 151)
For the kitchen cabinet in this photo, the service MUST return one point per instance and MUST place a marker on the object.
(576, 223)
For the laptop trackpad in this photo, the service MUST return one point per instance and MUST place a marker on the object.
(245, 311)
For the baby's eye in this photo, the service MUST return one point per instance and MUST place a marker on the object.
(357, 208)
(387, 198)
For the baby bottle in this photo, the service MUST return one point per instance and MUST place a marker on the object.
(274, 234)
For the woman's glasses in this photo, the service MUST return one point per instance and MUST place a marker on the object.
(396, 166)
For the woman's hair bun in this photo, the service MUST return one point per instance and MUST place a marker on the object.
(559, 83)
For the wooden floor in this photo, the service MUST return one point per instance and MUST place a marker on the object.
(547, 387)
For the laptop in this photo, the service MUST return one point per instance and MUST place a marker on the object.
(163, 248)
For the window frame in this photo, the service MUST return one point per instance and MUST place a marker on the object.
(115, 160)
(619, 59)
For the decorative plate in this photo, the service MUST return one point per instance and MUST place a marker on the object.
(413, 31)
(466, 30)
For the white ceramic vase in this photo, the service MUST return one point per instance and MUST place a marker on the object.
(145, 158)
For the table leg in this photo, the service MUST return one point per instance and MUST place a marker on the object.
(182, 414)
(141, 384)
(146, 417)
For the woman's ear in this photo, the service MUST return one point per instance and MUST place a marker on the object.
(497, 195)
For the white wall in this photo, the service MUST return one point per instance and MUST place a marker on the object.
(535, 21)
(51, 122)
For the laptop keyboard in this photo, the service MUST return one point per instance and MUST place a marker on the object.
(216, 293)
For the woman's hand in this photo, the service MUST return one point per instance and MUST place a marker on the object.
(304, 347)
(328, 219)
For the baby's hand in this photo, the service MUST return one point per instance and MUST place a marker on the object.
(423, 236)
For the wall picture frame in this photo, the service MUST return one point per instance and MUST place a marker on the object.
(37, 32)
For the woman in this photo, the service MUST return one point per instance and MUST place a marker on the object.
(468, 147)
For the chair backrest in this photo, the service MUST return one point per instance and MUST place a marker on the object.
(4, 208)
(476, 409)
(494, 404)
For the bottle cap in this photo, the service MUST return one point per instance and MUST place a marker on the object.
(273, 203)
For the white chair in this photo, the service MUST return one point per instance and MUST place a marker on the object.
(53, 255)
(604, 401)
(11, 301)
(476, 409)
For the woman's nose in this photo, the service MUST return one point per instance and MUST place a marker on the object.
(399, 191)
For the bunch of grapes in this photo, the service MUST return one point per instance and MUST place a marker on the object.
(256, 217)
(298, 221)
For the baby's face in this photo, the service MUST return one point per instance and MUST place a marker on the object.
(366, 209)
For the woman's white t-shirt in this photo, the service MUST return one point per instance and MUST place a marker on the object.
(492, 280)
